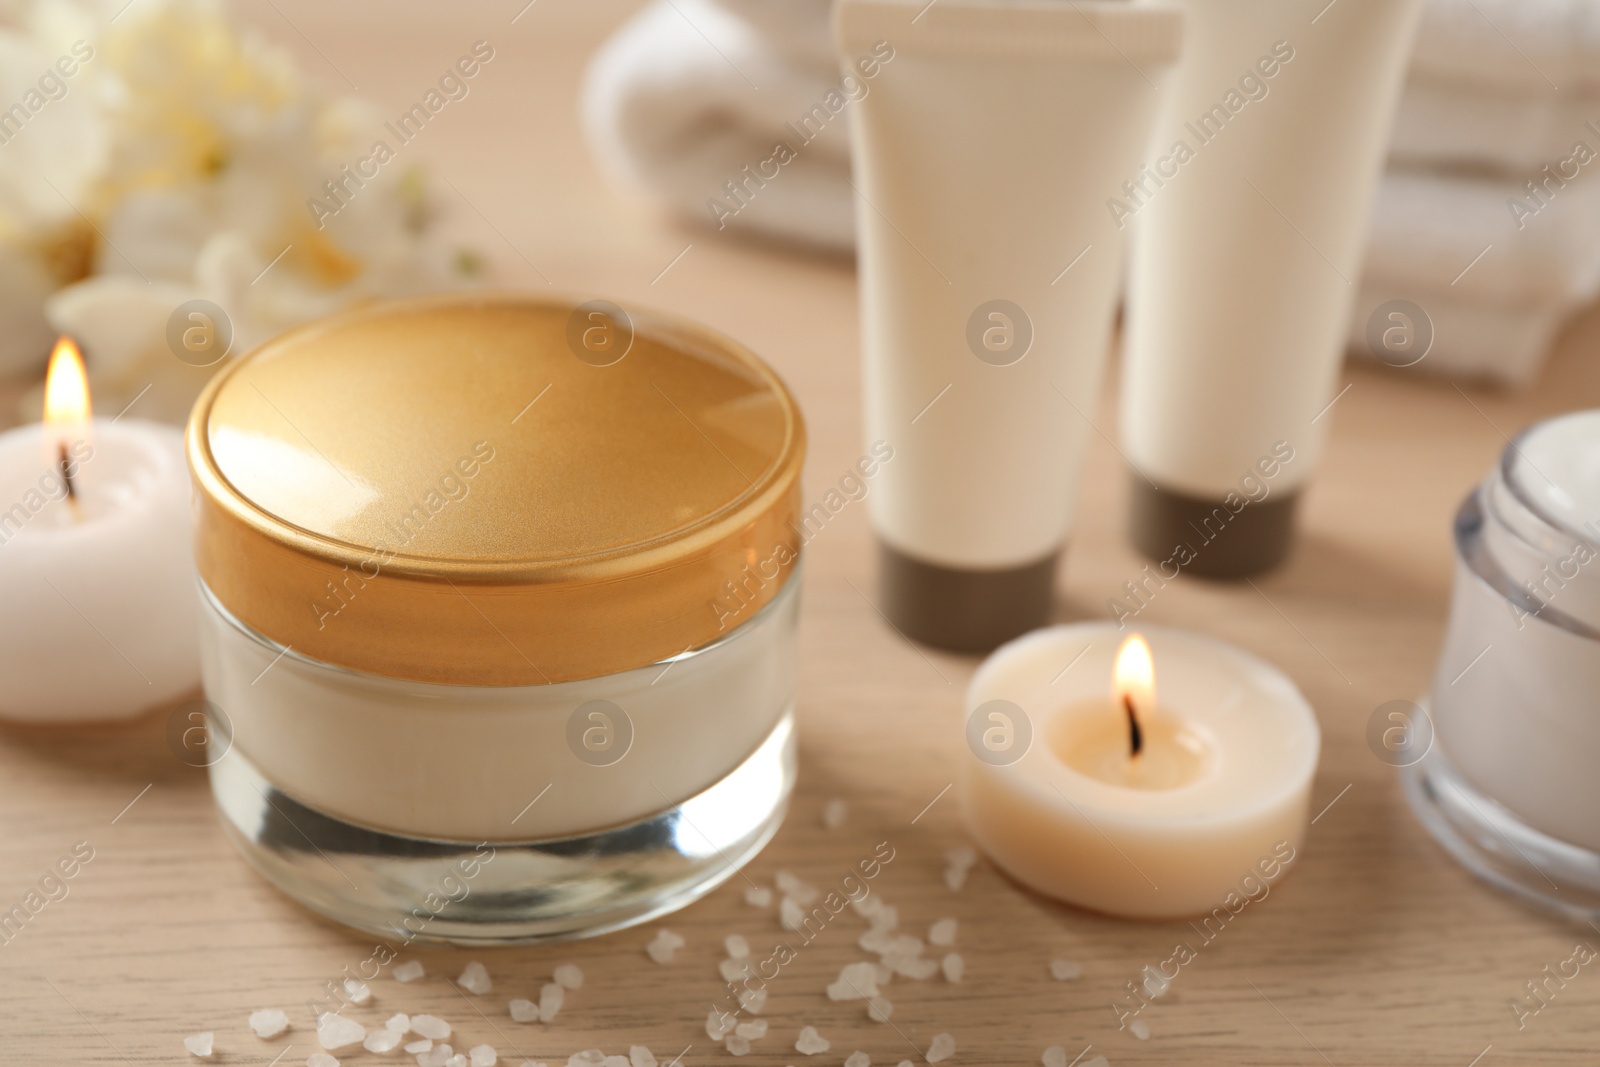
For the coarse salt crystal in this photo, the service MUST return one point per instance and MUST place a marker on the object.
(615, 1061)
(954, 966)
(1096, 1061)
(955, 878)
(662, 947)
(758, 896)
(335, 1031)
(887, 917)
(856, 981)
(458, 1060)
(736, 1045)
(357, 990)
(421, 1045)
(810, 1042)
(1054, 1056)
(384, 1040)
(475, 979)
(719, 1024)
(791, 916)
(639, 1056)
(409, 971)
(882, 972)
(1139, 1029)
(570, 975)
(589, 1057)
(879, 1009)
(524, 1011)
(753, 1000)
(321, 1059)
(437, 1056)
(799, 889)
(920, 968)
(942, 933)
(1065, 970)
(943, 1047)
(551, 997)
(1155, 983)
(961, 856)
(734, 970)
(834, 813)
(482, 1056)
(199, 1044)
(858, 1059)
(738, 948)
(430, 1026)
(399, 1022)
(268, 1022)
(754, 1029)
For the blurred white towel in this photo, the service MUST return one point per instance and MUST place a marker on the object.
(690, 92)
(1497, 91)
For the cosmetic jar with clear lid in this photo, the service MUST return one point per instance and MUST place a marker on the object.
(1500, 766)
(499, 607)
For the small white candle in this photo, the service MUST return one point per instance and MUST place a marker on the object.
(96, 567)
(1124, 803)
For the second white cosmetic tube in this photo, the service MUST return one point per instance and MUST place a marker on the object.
(989, 269)
(1250, 219)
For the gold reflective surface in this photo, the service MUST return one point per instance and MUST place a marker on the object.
(496, 490)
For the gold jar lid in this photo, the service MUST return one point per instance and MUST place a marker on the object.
(496, 490)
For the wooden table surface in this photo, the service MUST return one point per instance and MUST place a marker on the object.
(1377, 949)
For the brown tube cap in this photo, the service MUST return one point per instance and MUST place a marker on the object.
(1208, 537)
(962, 610)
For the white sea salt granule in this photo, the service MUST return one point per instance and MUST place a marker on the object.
(1054, 1056)
(335, 1031)
(961, 856)
(458, 1060)
(384, 1040)
(551, 997)
(1155, 983)
(437, 1056)
(321, 1059)
(753, 1000)
(856, 981)
(357, 990)
(639, 1056)
(834, 813)
(524, 1011)
(1139, 1029)
(430, 1026)
(738, 948)
(810, 1042)
(735, 970)
(754, 1029)
(736, 1045)
(268, 1022)
(589, 1057)
(475, 979)
(399, 1022)
(879, 1009)
(199, 1044)
(570, 975)
(421, 1045)
(954, 966)
(858, 1059)
(719, 1024)
(1096, 1061)
(920, 968)
(614, 1061)
(943, 1047)
(942, 933)
(482, 1056)
(758, 896)
(798, 889)
(409, 971)
(1065, 970)
(662, 947)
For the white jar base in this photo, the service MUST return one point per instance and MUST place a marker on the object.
(1490, 841)
(418, 889)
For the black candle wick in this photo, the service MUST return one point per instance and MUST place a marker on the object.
(1135, 736)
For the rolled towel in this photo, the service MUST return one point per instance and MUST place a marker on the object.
(1496, 284)
(712, 107)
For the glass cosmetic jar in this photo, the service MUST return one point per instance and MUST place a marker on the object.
(1503, 772)
(499, 606)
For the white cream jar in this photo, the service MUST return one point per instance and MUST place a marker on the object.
(498, 585)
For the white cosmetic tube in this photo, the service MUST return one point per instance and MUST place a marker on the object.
(983, 154)
(1249, 221)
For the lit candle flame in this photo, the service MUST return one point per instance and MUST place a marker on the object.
(1134, 685)
(66, 389)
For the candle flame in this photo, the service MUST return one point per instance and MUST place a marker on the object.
(66, 388)
(1134, 677)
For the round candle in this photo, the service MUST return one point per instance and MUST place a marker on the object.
(1127, 799)
(96, 568)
